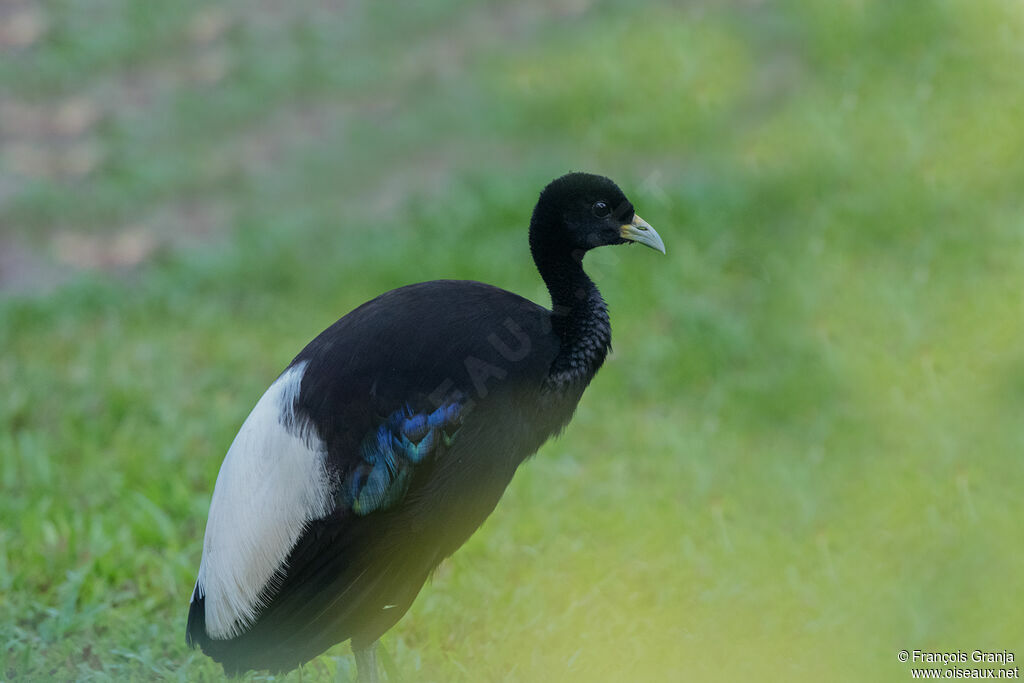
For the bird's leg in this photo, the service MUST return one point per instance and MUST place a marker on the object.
(366, 663)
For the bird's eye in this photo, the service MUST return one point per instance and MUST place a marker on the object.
(601, 209)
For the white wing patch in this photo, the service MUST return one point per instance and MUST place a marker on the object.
(271, 484)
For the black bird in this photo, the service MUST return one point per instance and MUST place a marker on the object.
(391, 437)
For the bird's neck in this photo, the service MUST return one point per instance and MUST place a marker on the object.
(579, 316)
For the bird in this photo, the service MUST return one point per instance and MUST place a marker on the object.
(390, 438)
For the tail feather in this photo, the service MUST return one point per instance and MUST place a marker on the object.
(326, 597)
(195, 629)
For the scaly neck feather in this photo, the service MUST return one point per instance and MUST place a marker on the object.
(579, 318)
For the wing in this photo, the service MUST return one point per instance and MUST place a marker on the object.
(276, 479)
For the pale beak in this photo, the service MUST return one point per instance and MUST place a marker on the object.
(641, 231)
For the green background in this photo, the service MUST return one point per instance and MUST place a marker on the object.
(804, 454)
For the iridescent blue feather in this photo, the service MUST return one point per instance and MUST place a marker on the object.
(390, 453)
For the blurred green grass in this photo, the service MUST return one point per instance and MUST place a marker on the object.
(805, 454)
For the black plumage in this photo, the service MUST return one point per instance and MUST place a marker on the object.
(422, 403)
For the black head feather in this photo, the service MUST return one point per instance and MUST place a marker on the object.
(578, 212)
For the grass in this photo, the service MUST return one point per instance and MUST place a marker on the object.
(804, 455)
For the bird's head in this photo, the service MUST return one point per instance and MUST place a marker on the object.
(580, 211)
